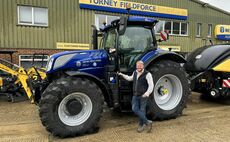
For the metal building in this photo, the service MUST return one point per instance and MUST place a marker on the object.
(49, 26)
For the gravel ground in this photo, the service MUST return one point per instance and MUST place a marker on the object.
(202, 120)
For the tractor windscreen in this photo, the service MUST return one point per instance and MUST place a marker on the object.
(135, 39)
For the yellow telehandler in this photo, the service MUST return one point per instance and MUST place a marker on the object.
(14, 79)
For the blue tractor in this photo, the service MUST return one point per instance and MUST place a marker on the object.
(81, 82)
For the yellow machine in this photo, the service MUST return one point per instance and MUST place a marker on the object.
(36, 73)
(223, 66)
(21, 76)
(209, 70)
(15, 78)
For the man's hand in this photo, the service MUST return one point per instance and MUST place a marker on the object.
(145, 95)
(119, 73)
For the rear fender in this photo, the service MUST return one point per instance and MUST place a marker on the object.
(155, 56)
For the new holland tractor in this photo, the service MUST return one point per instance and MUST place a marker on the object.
(209, 70)
(81, 81)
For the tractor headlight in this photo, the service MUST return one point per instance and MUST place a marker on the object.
(61, 61)
(49, 65)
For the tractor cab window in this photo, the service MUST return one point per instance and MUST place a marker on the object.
(110, 40)
(109, 44)
(133, 43)
(136, 39)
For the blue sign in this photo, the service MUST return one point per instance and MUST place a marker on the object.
(222, 32)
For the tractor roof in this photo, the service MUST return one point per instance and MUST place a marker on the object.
(142, 19)
(133, 20)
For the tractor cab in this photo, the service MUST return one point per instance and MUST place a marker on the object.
(126, 40)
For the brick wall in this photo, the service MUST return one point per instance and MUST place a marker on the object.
(26, 51)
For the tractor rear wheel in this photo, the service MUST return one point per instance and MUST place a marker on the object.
(71, 106)
(170, 92)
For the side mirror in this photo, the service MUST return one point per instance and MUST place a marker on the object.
(123, 25)
(94, 37)
(164, 35)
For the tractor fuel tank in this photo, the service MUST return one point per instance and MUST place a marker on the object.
(207, 57)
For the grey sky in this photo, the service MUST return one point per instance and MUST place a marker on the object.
(222, 4)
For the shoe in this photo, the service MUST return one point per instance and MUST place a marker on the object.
(140, 128)
(149, 126)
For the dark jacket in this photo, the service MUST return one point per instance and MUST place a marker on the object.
(140, 85)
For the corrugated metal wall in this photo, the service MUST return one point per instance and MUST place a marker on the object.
(69, 23)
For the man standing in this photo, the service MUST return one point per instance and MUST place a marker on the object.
(142, 88)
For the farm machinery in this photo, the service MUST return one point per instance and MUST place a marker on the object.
(209, 70)
(16, 80)
(81, 81)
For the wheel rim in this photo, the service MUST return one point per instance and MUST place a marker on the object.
(82, 116)
(213, 93)
(168, 92)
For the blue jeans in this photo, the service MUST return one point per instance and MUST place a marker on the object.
(139, 108)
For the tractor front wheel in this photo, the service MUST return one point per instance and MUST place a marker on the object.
(71, 106)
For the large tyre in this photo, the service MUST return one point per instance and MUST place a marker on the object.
(171, 90)
(71, 106)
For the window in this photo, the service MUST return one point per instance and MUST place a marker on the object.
(184, 29)
(131, 39)
(26, 61)
(198, 30)
(176, 28)
(209, 30)
(110, 39)
(100, 20)
(34, 16)
(168, 27)
(135, 41)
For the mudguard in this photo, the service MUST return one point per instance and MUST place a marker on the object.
(156, 55)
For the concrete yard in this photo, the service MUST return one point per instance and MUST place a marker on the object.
(202, 120)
